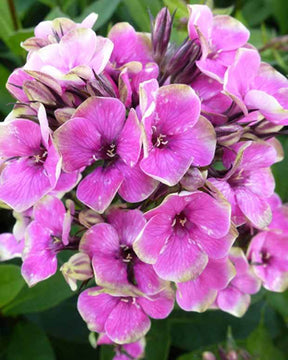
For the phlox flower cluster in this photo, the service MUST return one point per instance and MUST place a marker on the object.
(152, 162)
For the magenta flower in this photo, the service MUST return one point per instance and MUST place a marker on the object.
(200, 293)
(129, 351)
(255, 85)
(31, 164)
(268, 254)
(183, 233)
(123, 318)
(175, 136)
(220, 37)
(249, 182)
(130, 78)
(99, 131)
(137, 186)
(214, 103)
(50, 32)
(235, 298)
(137, 45)
(279, 223)
(76, 56)
(110, 246)
(10, 247)
(45, 237)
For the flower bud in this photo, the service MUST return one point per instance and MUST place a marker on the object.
(193, 179)
(101, 86)
(161, 31)
(36, 91)
(78, 267)
(228, 135)
(88, 218)
(181, 65)
(208, 355)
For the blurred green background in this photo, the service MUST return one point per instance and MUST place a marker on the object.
(42, 323)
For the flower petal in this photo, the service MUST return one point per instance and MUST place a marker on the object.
(152, 238)
(98, 189)
(180, 260)
(39, 258)
(78, 141)
(127, 322)
(95, 308)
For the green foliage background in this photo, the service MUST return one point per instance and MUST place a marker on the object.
(42, 323)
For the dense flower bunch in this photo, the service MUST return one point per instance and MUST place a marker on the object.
(152, 162)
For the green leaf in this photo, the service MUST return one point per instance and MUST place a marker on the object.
(280, 171)
(68, 350)
(191, 331)
(50, 3)
(139, 13)
(280, 10)
(105, 9)
(5, 97)
(14, 40)
(29, 342)
(55, 13)
(261, 346)
(224, 11)
(256, 11)
(179, 6)
(158, 340)
(23, 6)
(11, 283)
(63, 321)
(6, 23)
(42, 296)
(279, 302)
(106, 352)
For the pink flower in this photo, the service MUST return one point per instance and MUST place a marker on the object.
(175, 136)
(110, 246)
(235, 298)
(220, 37)
(214, 103)
(10, 247)
(200, 293)
(255, 85)
(31, 164)
(99, 131)
(50, 32)
(129, 351)
(45, 237)
(124, 318)
(268, 252)
(137, 45)
(249, 182)
(76, 56)
(183, 233)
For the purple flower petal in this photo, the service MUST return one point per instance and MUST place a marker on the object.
(127, 322)
(39, 257)
(98, 189)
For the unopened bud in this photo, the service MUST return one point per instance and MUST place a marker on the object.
(228, 135)
(232, 355)
(194, 179)
(101, 86)
(208, 355)
(181, 64)
(89, 217)
(78, 267)
(161, 31)
(36, 91)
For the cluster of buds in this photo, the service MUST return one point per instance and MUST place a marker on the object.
(152, 163)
